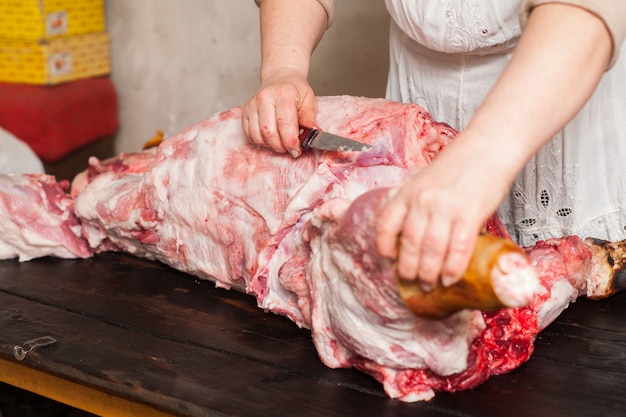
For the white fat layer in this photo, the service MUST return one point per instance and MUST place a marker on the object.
(562, 294)
(38, 233)
(392, 337)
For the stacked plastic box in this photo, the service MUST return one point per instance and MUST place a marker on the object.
(55, 90)
(52, 41)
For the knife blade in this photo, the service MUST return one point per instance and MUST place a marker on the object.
(316, 138)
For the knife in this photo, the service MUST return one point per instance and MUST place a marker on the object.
(311, 137)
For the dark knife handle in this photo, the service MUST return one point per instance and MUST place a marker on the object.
(306, 135)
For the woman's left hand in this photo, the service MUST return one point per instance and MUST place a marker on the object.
(431, 224)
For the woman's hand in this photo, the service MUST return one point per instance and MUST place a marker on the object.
(271, 117)
(431, 224)
(290, 31)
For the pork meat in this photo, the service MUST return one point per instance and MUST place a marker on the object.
(37, 219)
(297, 235)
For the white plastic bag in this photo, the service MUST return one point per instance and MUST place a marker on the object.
(17, 156)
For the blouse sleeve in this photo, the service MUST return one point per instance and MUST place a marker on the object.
(612, 12)
(328, 5)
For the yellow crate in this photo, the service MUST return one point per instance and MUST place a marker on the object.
(36, 20)
(55, 61)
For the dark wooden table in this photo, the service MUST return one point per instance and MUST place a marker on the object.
(136, 338)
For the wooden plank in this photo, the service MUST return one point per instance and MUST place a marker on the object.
(541, 388)
(577, 369)
(73, 394)
(149, 297)
(173, 376)
(140, 330)
(563, 377)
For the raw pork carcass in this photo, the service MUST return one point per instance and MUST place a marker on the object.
(296, 234)
(359, 306)
(37, 219)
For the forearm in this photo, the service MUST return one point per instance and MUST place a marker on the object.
(290, 31)
(560, 59)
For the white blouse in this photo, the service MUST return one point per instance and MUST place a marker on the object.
(446, 55)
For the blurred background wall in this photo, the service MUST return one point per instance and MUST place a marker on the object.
(177, 62)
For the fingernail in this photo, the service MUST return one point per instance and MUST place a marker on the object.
(294, 153)
(447, 280)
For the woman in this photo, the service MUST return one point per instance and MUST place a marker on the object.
(541, 113)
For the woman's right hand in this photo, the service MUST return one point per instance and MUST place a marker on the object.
(283, 101)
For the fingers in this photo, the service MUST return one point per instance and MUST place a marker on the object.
(265, 118)
(278, 126)
(389, 226)
(432, 247)
(250, 124)
(417, 242)
(434, 251)
(308, 111)
(460, 250)
(272, 116)
(432, 239)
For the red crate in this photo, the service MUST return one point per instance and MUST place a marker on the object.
(56, 120)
